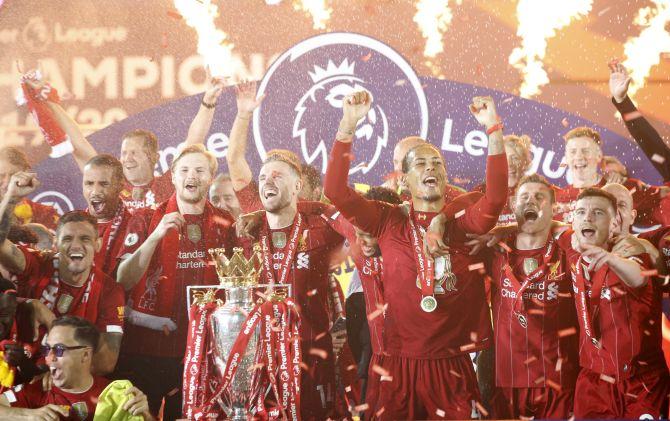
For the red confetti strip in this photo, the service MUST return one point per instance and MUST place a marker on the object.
(380, 370)
(459, 213)
(473, 336)
(362, 407)
(367, 57)
(630, 395)
(455, 374)
(553, 385)
(506, 100)
(351, 367)
(559, 364)
(565, 295)
(505, 246)
(312, 292)
(400, 82)
(608, 379)
(380, 411)
(631, 116)
(173, 391)
(174, 14)
(481, 409)
(467, 347)
(256, 366)
(536, 311)
(618, 290)
(319, 336)
(440, 413)
(318, 353)
(539, 380)
(386, 379)
(652, 272)
(530, 360)
(476, 266)
(303, 366)
(651, 322)
(565, 122)
(646, 332)
(567, 332)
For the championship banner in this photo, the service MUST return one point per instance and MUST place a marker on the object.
(305, 87)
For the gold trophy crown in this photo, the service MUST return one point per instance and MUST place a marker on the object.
(238, 271)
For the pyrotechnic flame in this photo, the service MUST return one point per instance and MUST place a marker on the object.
(316, 9)
(213, 46)
(433, 18)
(644, 52)
(539, 21)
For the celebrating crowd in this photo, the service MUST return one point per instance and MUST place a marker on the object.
(519, 299)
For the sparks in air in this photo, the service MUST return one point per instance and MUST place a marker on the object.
(644, 51)
(538, 22)
(213, 44)
(433, 18)
(316, 9)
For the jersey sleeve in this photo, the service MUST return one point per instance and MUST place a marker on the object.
(25, 395)
(249, 198)
(111, 306)
(136, 232)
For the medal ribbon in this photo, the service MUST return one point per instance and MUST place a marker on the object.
(109, 236)
(55, 280)
(266, 249)
(585, 304)
(424, 266)
(538, 273)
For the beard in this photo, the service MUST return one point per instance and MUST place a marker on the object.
(192, 198)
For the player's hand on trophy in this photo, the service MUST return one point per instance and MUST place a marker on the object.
(247, 225)
(484, 110)
(247, 102)
(619, 80)
(433, 241)
(355, 106)
(172, 220)
(21, 184)
(215, 86)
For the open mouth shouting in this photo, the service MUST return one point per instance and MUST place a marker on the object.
(588, 233)
(430, 181)
(98, 205)
(270, 191)
(531, 214)
(191, 187)
(76, 256)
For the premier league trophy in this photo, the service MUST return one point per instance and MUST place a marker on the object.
(239, 277)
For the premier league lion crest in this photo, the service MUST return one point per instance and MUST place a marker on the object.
(310, 81)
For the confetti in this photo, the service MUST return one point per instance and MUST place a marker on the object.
(367, 57)
(467, 347)
(539, 380)
(256, 366)
(312, 292)
(318, 353)
(380, 411)
(559, 364)
(481, 409)
(380, 370)
(536, 312)
(319, 336)
(652, 272)
(567, 332)
(455, 374)
(505, 246)
(173, 391)
(646, 388)
(630, 395)
(473, 336)
(553, 385)
(530, 360)
(652, 321)
(459, 213)
(362, 407)
(646, 332)
(440, 413)
(386, 379)
(476, 266)
(400, 82)
(608, 379)
(351, 367)
(618, 290)
(304, 366)
(657, 158)
(565, 122)
(506, 100)
(631, 116)
(166, 330)
(174, 14)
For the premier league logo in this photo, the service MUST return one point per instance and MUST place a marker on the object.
(305, 88)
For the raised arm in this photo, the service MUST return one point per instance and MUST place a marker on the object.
(363, 213)
(480, 217)
(627, 269)
(239, 169)
(199, 128)
(83, 150)
(649, 140)
(20, 185)
(132, 268)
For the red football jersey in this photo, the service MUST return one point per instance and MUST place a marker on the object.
(370, 271)
(646, 199)
(27, 211)
(507, 214)
(148, 196)
(625, 322)
(530, 352)
(660, 238)
(191, 267)
(81, 405)
(249, 198)
(461, 322)
(112, 233)
(100, 299)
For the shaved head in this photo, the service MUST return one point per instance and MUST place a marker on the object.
(624, 205)
(401, 149)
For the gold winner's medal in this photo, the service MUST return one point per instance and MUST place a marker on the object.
(137, 193)
(64, 303)
(193, 232)
(428, 304)
(279, 239)
(530, 265)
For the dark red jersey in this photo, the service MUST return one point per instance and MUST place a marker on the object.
(461, 322)
(182, 259)
(148, 196)
(100, 299)
(532, 304)
(620, 330)
(81, 406)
